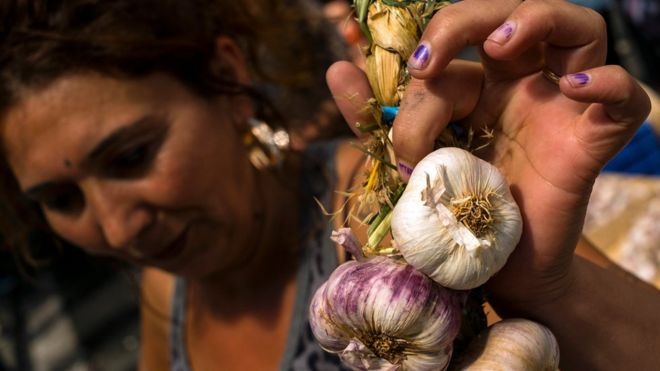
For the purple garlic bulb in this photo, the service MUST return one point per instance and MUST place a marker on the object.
(382, 314)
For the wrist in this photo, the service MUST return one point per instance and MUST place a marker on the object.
(533, 297)
(601, 313)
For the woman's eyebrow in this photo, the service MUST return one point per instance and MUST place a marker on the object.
(119, 136)
(124, 133)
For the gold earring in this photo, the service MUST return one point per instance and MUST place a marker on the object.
(265, 146)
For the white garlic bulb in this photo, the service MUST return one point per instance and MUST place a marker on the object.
(382, 314)
(456, 221)
(511, 344)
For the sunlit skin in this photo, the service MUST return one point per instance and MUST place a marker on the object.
(551, 140)
(126, 167)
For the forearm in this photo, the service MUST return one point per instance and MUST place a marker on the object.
(607, 320)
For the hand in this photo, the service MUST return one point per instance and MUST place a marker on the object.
(550, 140)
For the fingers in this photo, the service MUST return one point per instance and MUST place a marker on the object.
(574, 37)
(428, 106)
(351, 91)
(569, 37)
(453, 28)
(622, 105)
(425, 110)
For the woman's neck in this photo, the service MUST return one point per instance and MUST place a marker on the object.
(249, 290)
(244, 331)
(231, 316)
(271, 266)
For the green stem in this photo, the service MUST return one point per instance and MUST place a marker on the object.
(380, 226)
(380, 231)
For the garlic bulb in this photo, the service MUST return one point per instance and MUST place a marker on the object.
(381, 314)
(511, 344)
(456, 221)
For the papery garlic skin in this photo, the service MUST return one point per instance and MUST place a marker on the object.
(432, 239)
(511, 344)
(382, 314)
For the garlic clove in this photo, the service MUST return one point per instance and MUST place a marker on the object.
(511, 344)
(382, 313)
(456, 221)
(328, 336)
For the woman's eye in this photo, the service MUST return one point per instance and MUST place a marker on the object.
(133, 161)
(132, 158)
(130, 151)
(63, 200)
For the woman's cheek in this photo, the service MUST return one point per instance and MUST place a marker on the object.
(78, 234)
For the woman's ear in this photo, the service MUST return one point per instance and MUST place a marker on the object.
(229, 59)
(229, 62)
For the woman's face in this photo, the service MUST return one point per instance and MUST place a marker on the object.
(139, 169)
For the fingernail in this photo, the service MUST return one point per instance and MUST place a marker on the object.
(420, 58)
(405, 170)
(503, 33)
(578, 80)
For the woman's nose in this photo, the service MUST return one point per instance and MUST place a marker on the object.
(119, 212)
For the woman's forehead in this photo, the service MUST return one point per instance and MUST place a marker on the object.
(67, 118)
(97, 100)
(62, 106)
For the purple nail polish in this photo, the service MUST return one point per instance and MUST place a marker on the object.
(578, 79)
(503, 33)
(405, 170)
(420, 57)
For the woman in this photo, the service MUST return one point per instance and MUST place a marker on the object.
(146, 110)
(129, 124)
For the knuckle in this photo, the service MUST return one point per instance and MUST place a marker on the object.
(596, 19)
(414, 95)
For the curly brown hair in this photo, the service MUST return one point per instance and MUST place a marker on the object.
(287, 44)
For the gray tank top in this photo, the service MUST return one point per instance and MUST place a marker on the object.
(317, 260)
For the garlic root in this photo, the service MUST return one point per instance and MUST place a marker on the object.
(456, 220)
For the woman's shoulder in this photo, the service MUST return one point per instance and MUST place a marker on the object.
(157, 288)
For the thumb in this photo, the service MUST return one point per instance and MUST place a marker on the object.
(351, 90)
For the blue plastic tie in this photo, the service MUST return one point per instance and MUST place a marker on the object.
(389, 113)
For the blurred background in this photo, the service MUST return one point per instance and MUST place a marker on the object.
(624, 211)
(76, 312)
(70, 312)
